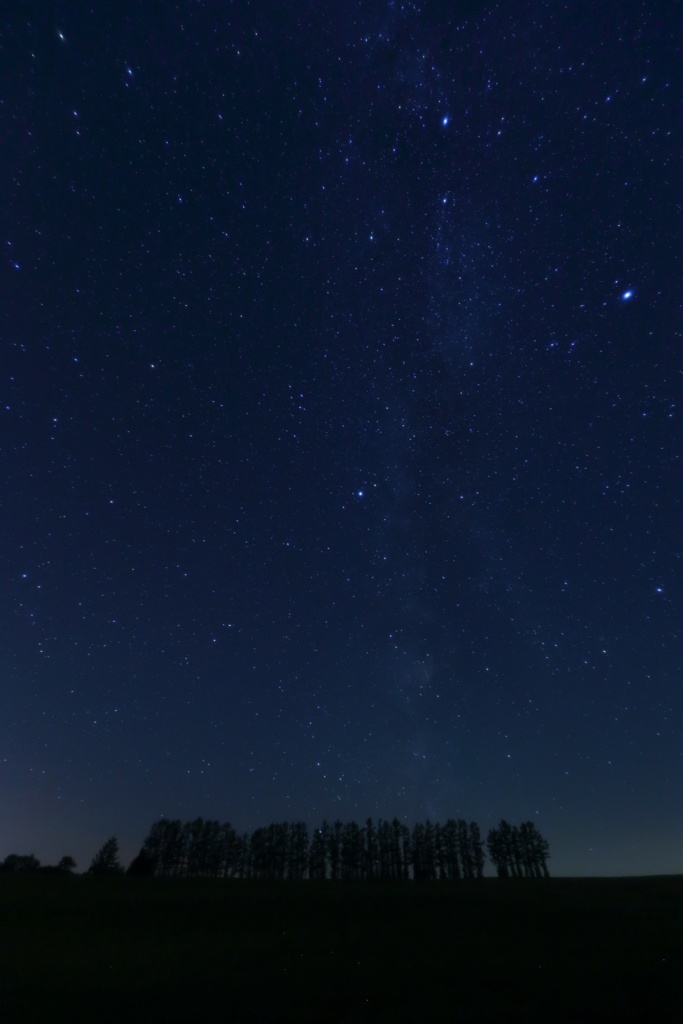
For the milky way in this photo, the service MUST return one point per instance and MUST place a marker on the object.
(341, 442)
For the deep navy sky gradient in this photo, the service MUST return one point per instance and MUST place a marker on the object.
(341, 369)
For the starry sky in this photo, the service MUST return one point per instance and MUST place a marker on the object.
(341, 420)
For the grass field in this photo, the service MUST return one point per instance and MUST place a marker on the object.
(129, 950)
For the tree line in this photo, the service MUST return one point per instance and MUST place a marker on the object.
(384, 850)
(18, 863)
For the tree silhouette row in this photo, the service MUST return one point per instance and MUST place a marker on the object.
(386, 850)
(518, 852)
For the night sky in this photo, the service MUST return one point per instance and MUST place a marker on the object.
(341, 351)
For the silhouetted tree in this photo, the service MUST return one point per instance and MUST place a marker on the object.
(516, 857)
(497, 853)
(18, 862)
(143, 865)
(106, 860)
(258, 853)
(518, 852)
(298, 850)
(352, 851)
(477, 850)
(151, 851)
(242, 856)
(388, 848)
(417, 846)
(212, 840)
(65, 868)
(229, 851)
(333, 835)
(449, 849)
(175, 850)
(407, 849)
(509, 845)
(534, 850)
(465, 854)
(163, 846)
(192, 847)
(279, 850)
(317, 855)
(370, 840)
(202, 848)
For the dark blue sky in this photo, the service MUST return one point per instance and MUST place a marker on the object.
(341, 420)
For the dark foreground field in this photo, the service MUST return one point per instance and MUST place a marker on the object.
(129, 950)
